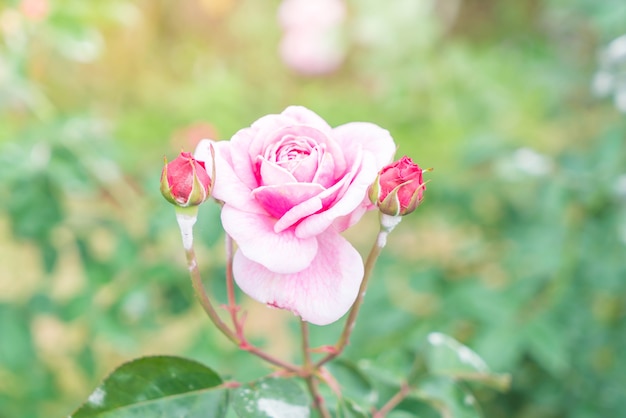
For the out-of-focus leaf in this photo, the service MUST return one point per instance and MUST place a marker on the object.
(401, 414)
(447, 357)
(546, 346)
(160, 386)
(354, 383)
(448, 398)
(490, 345)
(390, 367)
(16, 345)
(271, 398)
(347, 408)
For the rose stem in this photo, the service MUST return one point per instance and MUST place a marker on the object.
(230, 287)
(354, 311)
(393, 402)
(308, 372)
(306, 354)
(186, 222)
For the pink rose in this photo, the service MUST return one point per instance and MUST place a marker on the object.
(312, 41)
(311, 53)
(185, 181)
(399, 188)
(290, 184)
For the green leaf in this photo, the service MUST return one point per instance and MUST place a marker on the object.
(159, 386)
(448, 398)
(271, 398)
(355, 384)
(389, 368)
(349, 409)
(445, 356)
(546, 346)
(401, 414)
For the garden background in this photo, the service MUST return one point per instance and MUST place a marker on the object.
(517, 251)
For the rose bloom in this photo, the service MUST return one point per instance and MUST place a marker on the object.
(290, 184)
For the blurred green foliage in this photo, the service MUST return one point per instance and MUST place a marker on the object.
(518, 250)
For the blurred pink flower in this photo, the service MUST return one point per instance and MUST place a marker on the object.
(311, 53)
(290, 184)
(35, 10)
(311, 43)
(308, 14)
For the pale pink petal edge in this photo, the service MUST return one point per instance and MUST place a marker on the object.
(321, 294)
(278, 252)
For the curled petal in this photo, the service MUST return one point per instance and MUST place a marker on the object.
(279, 199)
(271, 173)
(320, 294)
(297, 213)
(282, 253)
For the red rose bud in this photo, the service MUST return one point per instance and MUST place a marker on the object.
(399, 188)
(185, 181)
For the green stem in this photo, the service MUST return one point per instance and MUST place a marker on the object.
(198, 287)
(306, 352)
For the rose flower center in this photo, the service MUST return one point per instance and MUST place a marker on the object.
(295, 154)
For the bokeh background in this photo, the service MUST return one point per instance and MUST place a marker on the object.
(517, 251)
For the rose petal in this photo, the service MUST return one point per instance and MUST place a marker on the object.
(352, 192)
(227, 186)
(307, 167)
(321, 294)
(378, 149)
(370, 137)
(344, 222)
(277, 200)
(303, 116)
(282, 253)
(297, 136)
(296, 213)
(325, 171)
(272, 174)
(248, 143)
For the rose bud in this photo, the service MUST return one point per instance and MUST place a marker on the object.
(399, 188)
(185, 181)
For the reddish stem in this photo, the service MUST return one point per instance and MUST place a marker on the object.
(237, 336)
(405, 389)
